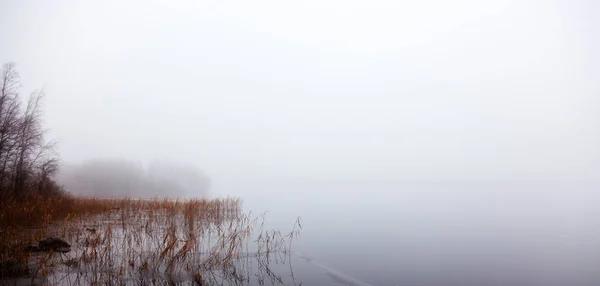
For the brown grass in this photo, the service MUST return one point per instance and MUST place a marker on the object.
(144, 240)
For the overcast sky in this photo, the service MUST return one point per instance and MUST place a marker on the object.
(319, 89)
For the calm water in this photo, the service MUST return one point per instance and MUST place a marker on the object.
(435, 233)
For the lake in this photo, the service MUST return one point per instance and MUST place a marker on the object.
(434, 233)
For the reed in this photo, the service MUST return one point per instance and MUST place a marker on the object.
(142, 241)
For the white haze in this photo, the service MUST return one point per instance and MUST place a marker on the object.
(422, 142)
(319, 90)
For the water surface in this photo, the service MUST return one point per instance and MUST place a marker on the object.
(485, 233)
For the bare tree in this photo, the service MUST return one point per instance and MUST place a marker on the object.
(26, 160)
(9, 119)
(46, 169)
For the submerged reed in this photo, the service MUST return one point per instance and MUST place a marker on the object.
(148, 241)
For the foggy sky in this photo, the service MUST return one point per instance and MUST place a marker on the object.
(319, 89)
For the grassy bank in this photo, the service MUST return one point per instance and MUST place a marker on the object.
(116, 241)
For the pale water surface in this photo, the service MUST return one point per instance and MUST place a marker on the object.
(444, 233)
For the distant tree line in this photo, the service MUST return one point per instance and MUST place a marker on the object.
(27, 161)
(118, 178)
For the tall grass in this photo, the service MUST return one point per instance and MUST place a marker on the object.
(122, 241)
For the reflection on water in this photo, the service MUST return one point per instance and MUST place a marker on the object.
(360, 234)
(439, 234)
(163, 242)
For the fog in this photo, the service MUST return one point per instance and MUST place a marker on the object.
(456, 141)
(319, 90)
(121, 178)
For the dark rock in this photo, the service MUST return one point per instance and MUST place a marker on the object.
(53, 243)
(12, 267)
(32, 248)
